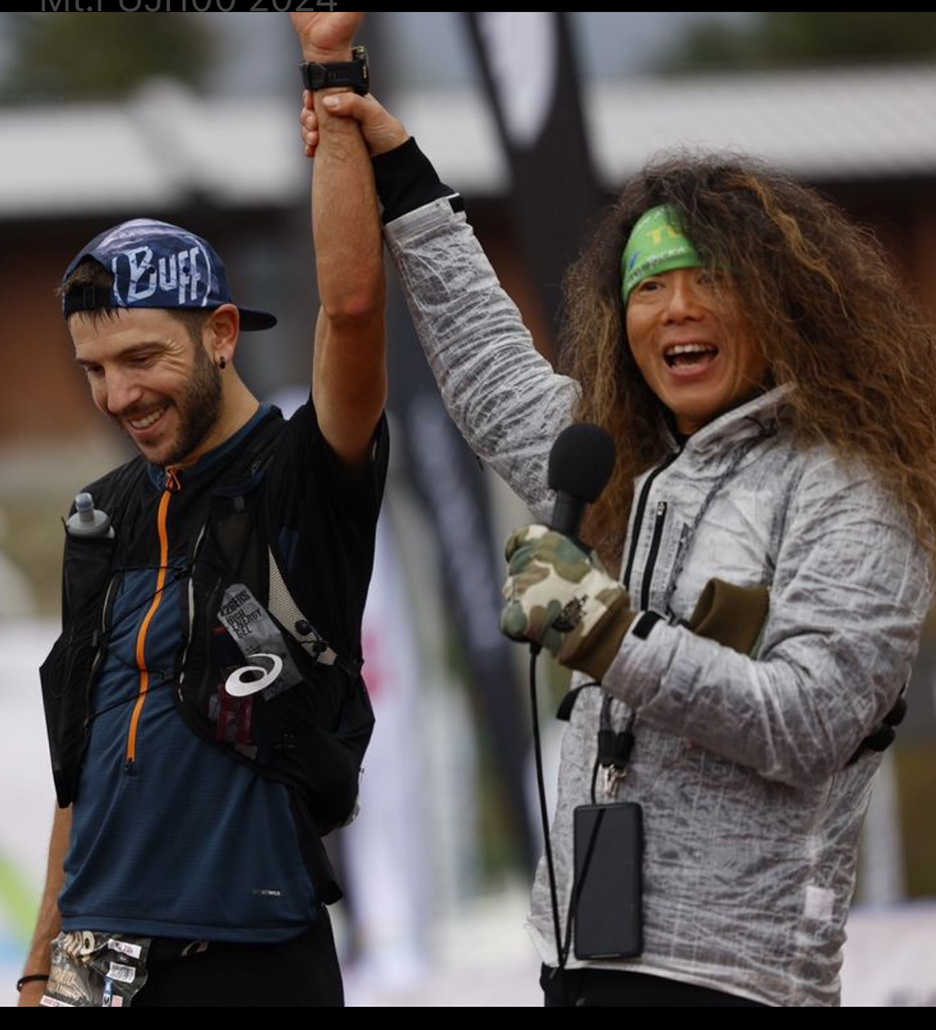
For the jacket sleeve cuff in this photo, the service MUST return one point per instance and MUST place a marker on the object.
(603, 645)
(634, 673)
(406, 180)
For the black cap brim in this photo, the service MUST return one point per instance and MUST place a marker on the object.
(254, 321)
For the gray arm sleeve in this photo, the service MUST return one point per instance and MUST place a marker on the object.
(504, 396)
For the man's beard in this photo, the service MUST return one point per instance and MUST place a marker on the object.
(198, 409)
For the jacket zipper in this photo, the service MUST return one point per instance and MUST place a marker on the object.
(638, 521)
(173, 486)
(652, 556)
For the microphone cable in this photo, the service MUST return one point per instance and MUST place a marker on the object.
(544, 813)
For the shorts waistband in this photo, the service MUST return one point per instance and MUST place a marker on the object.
(165, 949)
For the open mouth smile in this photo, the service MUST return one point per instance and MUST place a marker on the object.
(689, 355)
(144, 422)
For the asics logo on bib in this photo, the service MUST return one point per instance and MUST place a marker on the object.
(237, 686)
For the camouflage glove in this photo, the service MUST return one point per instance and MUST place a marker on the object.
(563, 599)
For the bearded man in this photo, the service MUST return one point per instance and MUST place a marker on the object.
(205, 707)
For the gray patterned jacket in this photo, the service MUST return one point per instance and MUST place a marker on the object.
(751, 808)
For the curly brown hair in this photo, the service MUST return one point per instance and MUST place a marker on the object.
(820, 295)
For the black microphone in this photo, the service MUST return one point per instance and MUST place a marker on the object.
(580, 464)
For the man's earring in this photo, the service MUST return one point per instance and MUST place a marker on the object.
(222, 364)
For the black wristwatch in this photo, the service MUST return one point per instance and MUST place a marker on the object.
(352, 73)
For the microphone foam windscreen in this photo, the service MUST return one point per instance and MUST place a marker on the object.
(581, 462)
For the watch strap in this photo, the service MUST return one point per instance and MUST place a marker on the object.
(334, 74)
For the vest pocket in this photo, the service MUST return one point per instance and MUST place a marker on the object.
(87, 567)
(67, 672)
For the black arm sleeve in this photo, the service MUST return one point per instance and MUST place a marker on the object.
(406, 180)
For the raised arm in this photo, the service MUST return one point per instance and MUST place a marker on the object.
(501, 392)
(349, 377)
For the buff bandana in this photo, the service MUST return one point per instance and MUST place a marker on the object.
(656, 245)
(157, 265)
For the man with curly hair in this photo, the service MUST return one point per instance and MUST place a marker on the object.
(768, 531)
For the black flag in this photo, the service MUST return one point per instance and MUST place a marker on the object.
(448, 478)
(528, 63)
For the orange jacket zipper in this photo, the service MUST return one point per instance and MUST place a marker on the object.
(172, 486)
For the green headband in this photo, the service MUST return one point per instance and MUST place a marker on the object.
(656, 245)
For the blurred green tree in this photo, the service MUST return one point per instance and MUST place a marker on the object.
(70, 57)
(798, 39)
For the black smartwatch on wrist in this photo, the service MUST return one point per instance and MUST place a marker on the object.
(353, 73)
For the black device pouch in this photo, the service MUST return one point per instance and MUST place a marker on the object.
(608, 885)
(307, 722)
